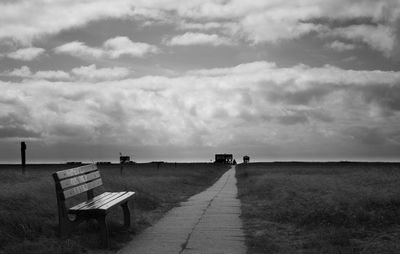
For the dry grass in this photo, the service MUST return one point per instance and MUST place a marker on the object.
(321, 207)
(28, 210)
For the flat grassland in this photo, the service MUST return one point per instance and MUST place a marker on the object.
(28, 209)
(320, 207)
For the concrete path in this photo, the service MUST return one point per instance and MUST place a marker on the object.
(207, 223)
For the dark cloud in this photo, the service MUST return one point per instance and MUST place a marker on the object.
(69, 130)
(11, 119)
(76, 95)
(341, 22)
(251, 118)
(320, 115)
(395, 137)
(298, 116)
(14, 125)
(246, 97)
(315, 92)
(387, 96)
(366, 135)
(193, 111)
(17, 132)
(292, 119)
(220, 113)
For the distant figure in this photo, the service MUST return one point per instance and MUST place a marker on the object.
(234, 162)
(246, 159)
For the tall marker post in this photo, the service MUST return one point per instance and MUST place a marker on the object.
(23, 157)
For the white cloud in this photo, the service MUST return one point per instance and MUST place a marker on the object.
(79, 49)
(88, 73)
(340, 46)
(92, 73)
(25, 72)
(262, 27)
(112, 48)
(52, 75)
(26, 54)
(273, 21)
(246, 68)
(225, 28)
(223, 106)
(381, 38)
(251, 21)
(26, 20)
(198, 39)
(122, 45)
(200, 26)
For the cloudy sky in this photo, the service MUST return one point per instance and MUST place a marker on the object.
(182, 80)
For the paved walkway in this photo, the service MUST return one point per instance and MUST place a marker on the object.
(208, 223)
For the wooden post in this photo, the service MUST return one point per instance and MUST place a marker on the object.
(23, 157)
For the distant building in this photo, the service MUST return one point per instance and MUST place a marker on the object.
(246, 159)
(223, 158)
(124, 159)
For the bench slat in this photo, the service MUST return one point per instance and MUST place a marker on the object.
(75, 171)
(90, 201)
(102, 201)
(117, 201)
(82, 188)
(79, 179)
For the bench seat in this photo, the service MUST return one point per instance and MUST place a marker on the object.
(102, 203)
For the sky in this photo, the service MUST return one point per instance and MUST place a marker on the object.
(176, 80)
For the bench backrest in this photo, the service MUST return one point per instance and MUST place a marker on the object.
(74, 181)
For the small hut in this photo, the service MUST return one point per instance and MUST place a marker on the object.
(124, 159)
(224, 158)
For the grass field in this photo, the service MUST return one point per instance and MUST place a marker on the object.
(28, 210)
(320, 207)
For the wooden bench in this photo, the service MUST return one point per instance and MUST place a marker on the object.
(85, 179)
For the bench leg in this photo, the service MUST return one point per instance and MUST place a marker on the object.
(127, 215)
(103, 231)
(64, 229)
(66, 226)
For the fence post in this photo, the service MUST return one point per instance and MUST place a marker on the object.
(23, 157)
